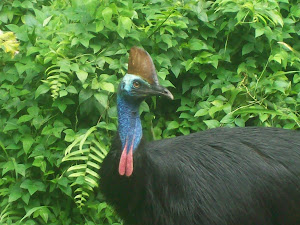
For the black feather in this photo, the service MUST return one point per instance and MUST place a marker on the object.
(222, 176)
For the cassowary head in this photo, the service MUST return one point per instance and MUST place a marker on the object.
(141, 79)
(140, 82)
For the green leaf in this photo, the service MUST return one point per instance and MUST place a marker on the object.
(184, 131)
(20, 68)
(26, 198)
(247, 48)
(31, 211)
(63, 181)
(205, 90)
(112, 112)
(239, 122)
(27, 143)
(70, 135)
(8, 166)
(46, 21)
(196, 44)
(173, 125)
(99, 27)
(44, 213)
(107, 14)
(12, 165)
(42, 89)
(33, 110)
(33, 186)
(144, 107)
(185, 116)
(20, 169)
(256, 110)
(60, 104)
(63, 93)
(121, 31)
(107, 86)
(281, 85)
(201, 112)
(40, 162)
(167, 39)
(74, 67)
(71, 89)
(227, 119)
(95, 84)
(259, 32)
(183, 108)
(102, 99)
(126, 23)
(15, 193)
(27, 4)
(20, 31)
(176, 69)
(10, 125)
(65, 65)
(213, 110)
(84, 95)
(188, 64)
(212, 123)
(82, 75)
(289, 126)
(25, 118)
(296, 78)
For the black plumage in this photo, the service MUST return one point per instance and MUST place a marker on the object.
(223, 176)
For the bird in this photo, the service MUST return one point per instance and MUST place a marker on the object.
(221, 176)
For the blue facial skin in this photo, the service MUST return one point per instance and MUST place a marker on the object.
(130, 127)
(127, 88)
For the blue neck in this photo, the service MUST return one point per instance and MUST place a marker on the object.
(130, 127)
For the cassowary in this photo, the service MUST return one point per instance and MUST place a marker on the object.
(223, 176)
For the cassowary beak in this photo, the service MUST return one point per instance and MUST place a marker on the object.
(157, 89)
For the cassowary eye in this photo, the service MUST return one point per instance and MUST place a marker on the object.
(136, 84)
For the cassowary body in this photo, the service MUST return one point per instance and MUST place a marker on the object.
(224, 176)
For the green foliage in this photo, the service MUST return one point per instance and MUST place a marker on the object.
(228, 63)
(91, 154)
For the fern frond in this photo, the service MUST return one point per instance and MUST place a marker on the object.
(56, 80)
(87, 153)
(9, 214)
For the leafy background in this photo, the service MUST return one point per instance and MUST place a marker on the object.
(227, 62)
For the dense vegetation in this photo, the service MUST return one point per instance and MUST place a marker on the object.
(227, 62)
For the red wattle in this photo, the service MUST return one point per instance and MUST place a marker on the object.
(123, 159)
(129, 162)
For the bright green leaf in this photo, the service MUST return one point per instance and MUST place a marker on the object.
(107, 86)
(173, 125)
(46, 21)
(25, 118)
(126, 23)
(27, 143)
(82, 75)
(201, 112)
(212, 123)
(71, 89)
(42, 89)
(102, 99)
(107, 14)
